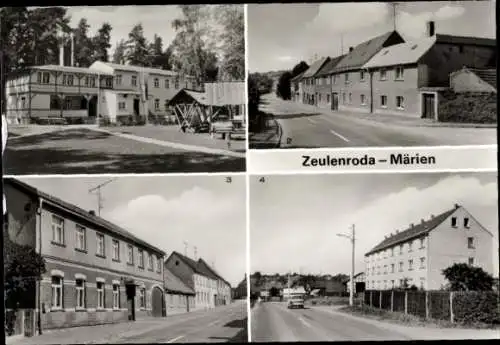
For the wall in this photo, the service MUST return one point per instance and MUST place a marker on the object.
(448, 245)
(356, 87)
(406, 87)
(323, 92)
(178, 303)
(177, 266)
(468, 107)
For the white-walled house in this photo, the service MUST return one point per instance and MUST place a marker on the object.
(421, 252)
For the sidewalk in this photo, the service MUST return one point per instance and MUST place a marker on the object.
(421, 333)
(270, 137)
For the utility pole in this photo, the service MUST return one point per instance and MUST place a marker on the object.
(394, 5)
(97, 190)
(352, 238)
(195, 253)
(185, 248)
(341, 43)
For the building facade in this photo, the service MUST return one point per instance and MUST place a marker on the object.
(417, 255)
(223, 296)
(308, 81)
(323, 89)
(96, 272)
(180, 297)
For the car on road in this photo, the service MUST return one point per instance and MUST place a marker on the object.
(296, 302)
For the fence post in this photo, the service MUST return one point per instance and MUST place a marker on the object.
(392, 300)
(427, 305)
(371, 297)
(406, 302)
(452, 318)
(380, 299)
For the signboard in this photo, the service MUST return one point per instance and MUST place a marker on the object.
(226, 93)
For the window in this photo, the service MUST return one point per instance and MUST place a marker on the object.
(401, 266)
(80, 293)
(57, 230)
(157, 82)
(471, 261)
(400, 249)
(57, 292)
(68, 79)
(81, 238)
(176, 83)
(362, 75)
(383, 101)
(363, 99)
(373, 271)
(378, 270)
(422, 262)
(142, 298)
(334, 79)
(422, 283)
(157, 104)
(100, 244)
(399, 73)
(150, 262)
(470, 242)
(118, 79)
(116, 296)
(422, 243)
(89, 81)
(43, 77)
(319, 98)
(383, 74)
(68, 103)
(158, 265)
(410, 246)
(347, 78)
(392, 268)
(400, 102)
(454, 222)
(343, 97)
(328, 98)
(466, 222)
(141, 258)
(167, 84)
(108, 82)
(392, 252)
(130, 254)
(133, 81)
(410, 264)
(100, 295)
(385, 269)
(350, 98)
(122, 105)
(116, 250)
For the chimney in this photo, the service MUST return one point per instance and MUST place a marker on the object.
(397, 231)
(92, 212)
(430, 28)
(457, 206)
(411, 225)
(351, 49)
(422, 220)
(432, 216)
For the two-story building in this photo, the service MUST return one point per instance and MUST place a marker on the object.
(96, 271)
(308, 81)
(52, 92)
(197, 277)
(417, 255)
(323, 89)
(351, 89)
(180, 297)
(223, 296)
(296, 87)
(405, 78)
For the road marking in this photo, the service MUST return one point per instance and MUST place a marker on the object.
(175, 339)
(340, 136)
(312, 121)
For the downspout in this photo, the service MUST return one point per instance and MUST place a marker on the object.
(39, 320)
(371, 91)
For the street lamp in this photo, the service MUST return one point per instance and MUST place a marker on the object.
(352, 238)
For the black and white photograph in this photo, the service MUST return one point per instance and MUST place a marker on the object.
(124, 89)
(376, 74)
(115, 260)
(374, 257)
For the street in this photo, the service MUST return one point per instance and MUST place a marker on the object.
(306, 126)
(89, 149)
(273, 321)
(222, 324)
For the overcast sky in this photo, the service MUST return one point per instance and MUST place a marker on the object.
(281, 35)
(294, 219)
(205, 211)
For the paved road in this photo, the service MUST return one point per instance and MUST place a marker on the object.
(79, 150)
(307, 126)
(223, 324)
(272, 321)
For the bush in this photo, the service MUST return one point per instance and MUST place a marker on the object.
(439, 305)
(471, 307)
(467, 107)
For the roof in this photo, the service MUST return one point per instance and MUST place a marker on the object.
(182, 94)
(401, 54)
(140, 69)
(364, 52)
(175, 284)
(214, 272)
(328, 68)
(466, 40)
(412, 232)
(100, 222)
(355, 276)
(487, 75)
(200, 267)
(315, 67)
(298, 76)
(68, 69)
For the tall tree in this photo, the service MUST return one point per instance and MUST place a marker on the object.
(83, 44)
(299, 68)
(159, 57)
(463, 277)
(119, 53)
(101, 43)
(231, 18)
(137, 52)
(283, 90)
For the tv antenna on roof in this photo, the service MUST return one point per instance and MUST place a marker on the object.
(394, 9)
(185, 248)
(97, 191)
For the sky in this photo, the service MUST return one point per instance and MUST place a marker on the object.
(205, 211)
(281, 35)
(294, 220)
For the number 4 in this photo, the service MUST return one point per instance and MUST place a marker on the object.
(262, 179)
(229, 179)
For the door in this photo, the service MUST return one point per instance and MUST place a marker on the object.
(428, 104)
(130, 291)
(335, 101)
(136, 106)
(157, 304)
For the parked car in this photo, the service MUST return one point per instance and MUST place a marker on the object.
(296, 302)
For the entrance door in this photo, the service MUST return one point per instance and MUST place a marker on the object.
(136, 106)
(157, 302)
(335, 101)
(428, 104)
(130, 291)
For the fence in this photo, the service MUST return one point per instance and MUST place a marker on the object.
(455, 306)
(19, 322)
